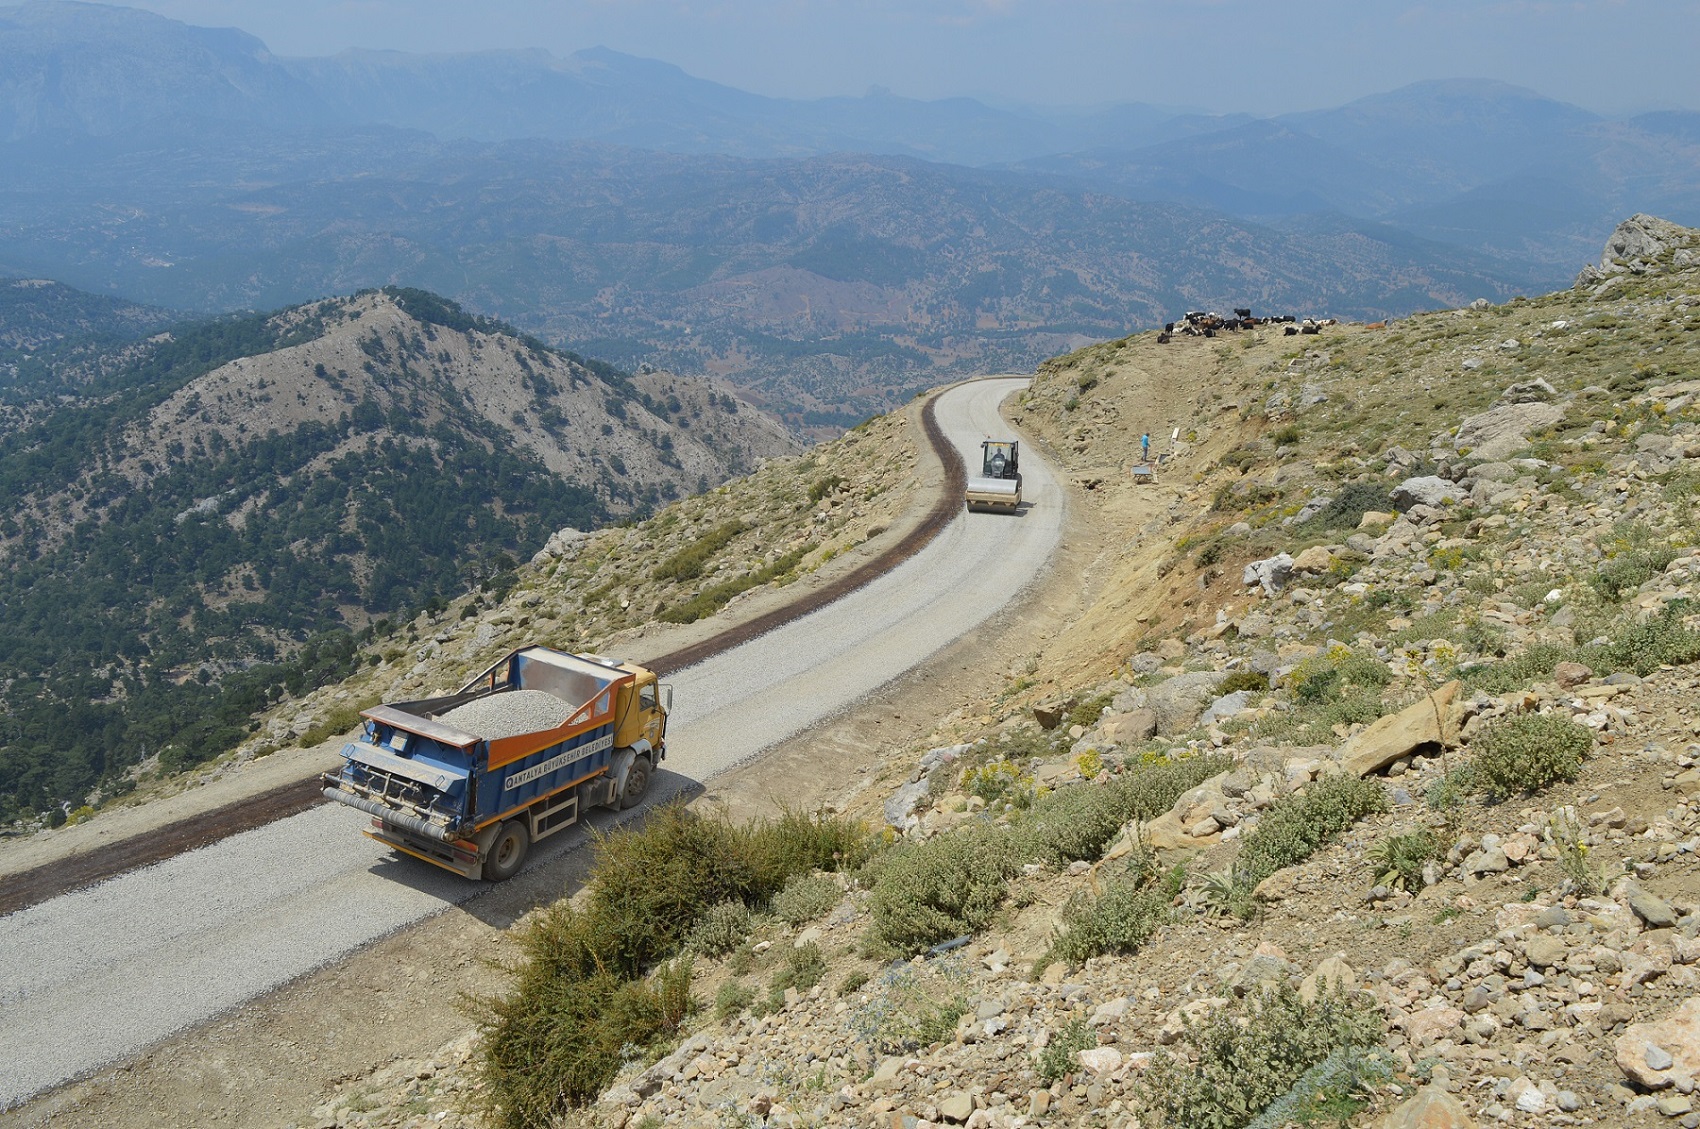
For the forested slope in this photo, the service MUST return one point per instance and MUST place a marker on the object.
(217, 511)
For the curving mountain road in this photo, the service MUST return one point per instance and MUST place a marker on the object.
(98, 974)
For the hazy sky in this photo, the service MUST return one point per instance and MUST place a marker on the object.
(1608, 55)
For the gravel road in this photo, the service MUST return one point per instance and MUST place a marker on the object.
(97, 975)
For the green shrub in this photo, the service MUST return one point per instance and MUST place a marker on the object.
(1528, 752)
(688, 563)
(852, 981)
(1240, 458)
(1646, 646)
(1292, 829)
(1621, 576)
(1079, 823)
(821, 487)
(1332, 1092)
(1637, 554)
(801, 968)
(722, 929)
(912, 1005)
(1120, 919)
(1057, 1061)
(924, 893)
(1086, 711)
(1249, 1053)
(558, 1041)
(579, 996)
(1253, 680)
(806, 897)
(1528, 666)
(1347, 508)
(1450, 791)
(733, 998)
(713, 598)
(1286, 436)
(999, 782)
(335, 723)
(1398, 859)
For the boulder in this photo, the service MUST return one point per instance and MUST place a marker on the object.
(1049, 715)
(1313, 560)
(1637, 245)
(1536, 391)
(1428, 490)
(900, 808)
(1431, 1108)
(1425, 722)
(1178, 701)
(1271, 573)
(1654, 1055)
(1226, 706)
(1505, 428)
(1545, 950)
(1129, 728)
(1168, 833)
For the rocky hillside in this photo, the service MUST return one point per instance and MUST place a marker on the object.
(1363, 792)
(186, 511)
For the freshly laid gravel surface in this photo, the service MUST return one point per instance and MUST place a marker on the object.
(508, 714)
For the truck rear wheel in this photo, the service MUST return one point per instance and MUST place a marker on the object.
(507, 851)
(637, 783)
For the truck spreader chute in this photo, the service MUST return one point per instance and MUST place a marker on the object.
(469, 781)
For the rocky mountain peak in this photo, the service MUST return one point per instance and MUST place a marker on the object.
(1643, 244)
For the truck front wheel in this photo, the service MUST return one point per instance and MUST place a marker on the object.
(637, 783)
(507, 851)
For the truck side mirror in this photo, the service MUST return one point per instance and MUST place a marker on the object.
(666, 698)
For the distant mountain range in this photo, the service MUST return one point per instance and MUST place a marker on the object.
(829, 255)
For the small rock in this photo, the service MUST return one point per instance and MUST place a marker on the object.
(1526, 1096)
(1673, 1105)
(957, 1107)
(1100, 1060)
(1544, 951)
(1649, 907)
(1432, 1024)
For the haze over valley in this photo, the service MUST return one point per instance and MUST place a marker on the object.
(830, 256)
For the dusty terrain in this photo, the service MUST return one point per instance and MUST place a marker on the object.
(1524, 553)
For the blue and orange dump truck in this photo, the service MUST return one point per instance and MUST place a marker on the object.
(471, 780)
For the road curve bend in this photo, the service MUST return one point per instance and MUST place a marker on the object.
(99, 974)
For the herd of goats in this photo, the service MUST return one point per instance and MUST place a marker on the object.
(1200, 323)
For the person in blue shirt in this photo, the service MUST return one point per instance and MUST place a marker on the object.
(1145, 447)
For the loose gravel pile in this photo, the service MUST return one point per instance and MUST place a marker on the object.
(508, 714)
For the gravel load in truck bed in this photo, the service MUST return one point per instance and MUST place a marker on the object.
(508, 714)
